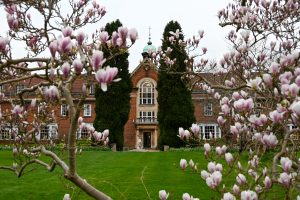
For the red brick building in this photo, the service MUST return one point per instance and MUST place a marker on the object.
(142, 127)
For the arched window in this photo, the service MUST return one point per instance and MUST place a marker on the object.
(147, 93)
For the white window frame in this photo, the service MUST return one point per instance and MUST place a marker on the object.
(147, 93)
(8, 132)
(92, 89)
(87, 110)
(19, 88)
(208, 109)
(64, 109)
(51, 132)
(207, 135)
(82, 132)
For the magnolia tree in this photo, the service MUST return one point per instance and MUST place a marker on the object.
(262, 67)
(57, 53)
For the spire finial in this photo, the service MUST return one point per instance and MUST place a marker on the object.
(149, 42)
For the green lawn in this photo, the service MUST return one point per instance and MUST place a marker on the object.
(116, 173)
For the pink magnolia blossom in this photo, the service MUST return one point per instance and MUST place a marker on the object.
(254, 83)
(186, 196)
(219, 167)
(217, 177)
(236, 96)
(33, 103)
(267, 78)
(67, 197)
(3, 43)
(105, 133)
(254, 161)
(133, 35)
(295, 107)
(221, 121)
(228, 158)
(114, 38)
(241, 179)
(97, 59)
(191, 163)
(77, 64)
(244, 105)
(52, 73)
(80, 120)
(98, 136)
(219, 151)
(270, 140)
(106, 76)
(297, 71)
(66, 68)
(228, 83)
(234, 130)
(276, 116)
(195, 128)
(181, 133)
(235, 189)
(217, 95)
(122, 34)
(187, 134)
(67, 31)
(201, 33)
(211, 166)
(225, 109)
(204, 174)
(80, 37)
(183, 164)
(53, 47)
(297, 80)
(17, 110)
(65, 45)
(103, 36)
(228, 196)
(285, 179)
(10, 21)
(52, 93)
(286, 77)
(274, 68)
(207, 147)
(286, 164)
(224, 100)
(248, 195)
(267, 182)
(163, 195)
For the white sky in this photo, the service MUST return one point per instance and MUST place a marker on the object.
(193, 15)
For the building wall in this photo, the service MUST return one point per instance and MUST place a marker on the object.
(146, 70)
(132, 130)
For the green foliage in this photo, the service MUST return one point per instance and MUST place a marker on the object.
(113, 106)
(174, 99)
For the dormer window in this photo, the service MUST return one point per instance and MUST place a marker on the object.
(147, 93)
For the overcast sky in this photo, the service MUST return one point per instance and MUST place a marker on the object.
(193, 15)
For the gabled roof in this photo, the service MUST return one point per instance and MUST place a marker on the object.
(145, 62)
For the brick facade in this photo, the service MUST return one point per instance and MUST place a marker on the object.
(141, 129)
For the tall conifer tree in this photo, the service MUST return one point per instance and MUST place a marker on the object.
(174, 99)
(113, 106)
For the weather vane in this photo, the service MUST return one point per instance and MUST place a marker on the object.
(149, 36)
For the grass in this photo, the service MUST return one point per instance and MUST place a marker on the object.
(116, 173)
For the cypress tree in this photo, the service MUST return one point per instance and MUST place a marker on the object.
(174, 99)
(113, 106)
